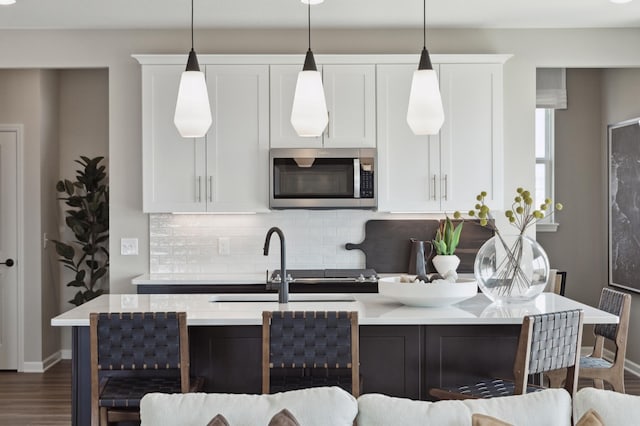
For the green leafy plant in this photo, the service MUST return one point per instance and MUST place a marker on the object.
(447, 237)
(88, 218)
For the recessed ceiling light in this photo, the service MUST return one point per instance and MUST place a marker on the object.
(312, 2)
(6, 2)
(620, 1)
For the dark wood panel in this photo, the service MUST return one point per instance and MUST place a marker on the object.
(229, 358)
(461, 354)
(390, 360)
(387, 244)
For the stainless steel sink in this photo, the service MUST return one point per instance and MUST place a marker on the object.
(273, 297)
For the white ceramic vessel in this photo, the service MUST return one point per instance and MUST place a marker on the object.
(427, 294)
(445, 263)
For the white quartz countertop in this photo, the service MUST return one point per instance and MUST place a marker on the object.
(200, 279)
(373, 309)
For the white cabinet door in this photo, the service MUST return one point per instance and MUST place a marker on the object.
(471, 137)
(351, 100)
(408, 165)
(171, 164)
(443, 172)
(238, 141)
(283, 80)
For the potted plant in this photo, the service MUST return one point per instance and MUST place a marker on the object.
(88, 218)
(445, 244)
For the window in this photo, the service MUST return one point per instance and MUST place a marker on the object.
(544, 163)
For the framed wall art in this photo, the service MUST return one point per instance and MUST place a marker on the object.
(624, 204)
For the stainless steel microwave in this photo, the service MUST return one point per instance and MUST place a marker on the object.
(316, 178)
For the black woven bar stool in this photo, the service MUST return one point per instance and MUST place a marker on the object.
(310, 349)
(133, 354)
(547, 342)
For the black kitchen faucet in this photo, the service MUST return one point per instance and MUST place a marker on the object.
(283, 288)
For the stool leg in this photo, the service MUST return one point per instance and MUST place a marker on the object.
(103, 417)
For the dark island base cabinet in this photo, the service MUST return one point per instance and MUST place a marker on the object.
(396, 360)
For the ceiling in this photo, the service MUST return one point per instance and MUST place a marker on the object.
(159, 14)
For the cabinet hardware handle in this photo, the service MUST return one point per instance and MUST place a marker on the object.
(8, 262)
(211, 189)
(446, 189)
(433, 196)
(199, 189)
(328, 124)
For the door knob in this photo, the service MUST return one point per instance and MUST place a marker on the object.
(8, 262)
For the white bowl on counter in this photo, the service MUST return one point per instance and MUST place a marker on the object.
(427, 294)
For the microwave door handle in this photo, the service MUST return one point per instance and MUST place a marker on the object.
(356, 178)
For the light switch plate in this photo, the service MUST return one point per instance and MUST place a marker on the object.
(129, 246)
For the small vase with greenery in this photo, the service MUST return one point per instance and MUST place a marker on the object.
(88, 218)
(445, 244)
(512, 268)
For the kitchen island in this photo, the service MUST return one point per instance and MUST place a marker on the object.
(404, 350)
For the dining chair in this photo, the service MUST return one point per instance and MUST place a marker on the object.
(547, 342)
(595, 366)
(557, 282)
(302, 349)
(132, 354)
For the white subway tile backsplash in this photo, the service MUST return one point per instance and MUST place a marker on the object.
(314, 239)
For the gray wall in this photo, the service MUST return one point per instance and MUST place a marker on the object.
(78, 49)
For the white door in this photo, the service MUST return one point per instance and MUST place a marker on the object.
(8, 251)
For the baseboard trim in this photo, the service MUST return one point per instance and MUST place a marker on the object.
(41, 367)
(629, 366)
(65, 353)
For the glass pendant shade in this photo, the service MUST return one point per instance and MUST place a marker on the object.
(425, 114)
(309, 115)
(193, 113)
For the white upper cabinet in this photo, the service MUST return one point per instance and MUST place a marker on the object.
(227, 170)
(367, 97)
(351, 101)
(443, 172)
(238, 141)
(471, 148)
(350, 93)
(172, 167)
(408, 165)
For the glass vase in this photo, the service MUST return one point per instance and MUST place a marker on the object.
(511, 268)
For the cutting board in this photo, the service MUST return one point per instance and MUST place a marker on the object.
(387, 245)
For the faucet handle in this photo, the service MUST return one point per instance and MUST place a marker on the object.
(289, 278)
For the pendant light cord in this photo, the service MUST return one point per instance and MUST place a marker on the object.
(191, 24)
(309, 22)
(424, 24)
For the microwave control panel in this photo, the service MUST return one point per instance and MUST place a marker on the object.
(366, 183)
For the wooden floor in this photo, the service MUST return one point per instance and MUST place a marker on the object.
(45, 399)
(36, 399)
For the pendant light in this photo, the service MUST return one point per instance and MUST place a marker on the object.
(309, 113)
(425, 114)
(193, 113)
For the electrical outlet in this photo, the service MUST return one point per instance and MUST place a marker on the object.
(224, 246)
(129, 246)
